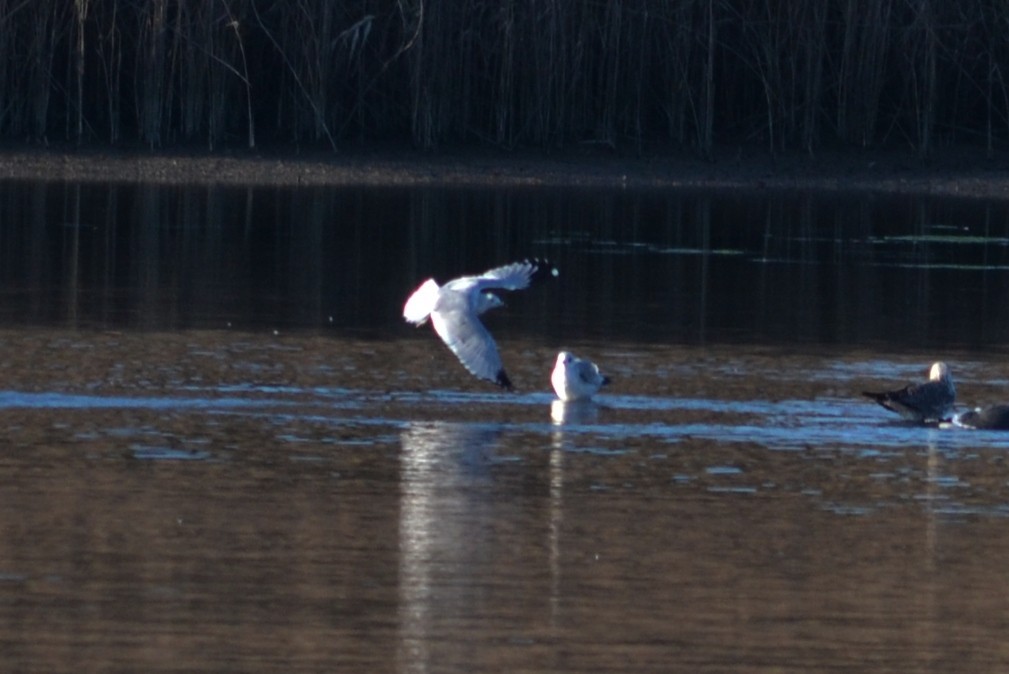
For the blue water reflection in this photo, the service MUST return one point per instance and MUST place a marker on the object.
(846, 425)
(56, 400)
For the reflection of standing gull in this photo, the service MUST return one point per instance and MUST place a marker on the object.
(454, 307)
(993, 417)
(576, 379)
(930, 401)
(575, 412)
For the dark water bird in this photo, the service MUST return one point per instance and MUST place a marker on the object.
(928, 401)
(576, 379)
(993, 417)
(454, 307)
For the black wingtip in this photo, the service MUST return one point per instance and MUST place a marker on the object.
(607, 380)
(503, 381)
(545, 269)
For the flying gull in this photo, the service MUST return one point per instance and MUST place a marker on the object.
(993, 417)
(929, 401)
(453, 309)
(576, 379)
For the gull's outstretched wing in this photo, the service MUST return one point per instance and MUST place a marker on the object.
(517, 275)
(453, 309)
(470, 341)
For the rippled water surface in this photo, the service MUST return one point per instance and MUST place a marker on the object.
(224, 451)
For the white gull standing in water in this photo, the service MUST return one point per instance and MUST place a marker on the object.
(453, 309)
(929, 401)
(576, 379)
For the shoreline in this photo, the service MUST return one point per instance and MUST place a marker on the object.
(958, 174)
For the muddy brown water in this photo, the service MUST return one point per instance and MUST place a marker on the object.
(214, 501)
(222, 450)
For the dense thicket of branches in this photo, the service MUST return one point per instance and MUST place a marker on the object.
(628, 73)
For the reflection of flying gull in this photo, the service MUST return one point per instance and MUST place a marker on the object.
(454, 307)
(576, 379)
(930, 401)
(993, 417)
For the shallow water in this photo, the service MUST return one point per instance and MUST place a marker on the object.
(721, 508)
(199, 477)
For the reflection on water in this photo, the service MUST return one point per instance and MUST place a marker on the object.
(224, 451)
(443, 466)
(648, 265)
(573, 412)
(272, 495)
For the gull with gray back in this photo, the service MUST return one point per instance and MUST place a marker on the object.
(928, 401)
(454, 309)
(576, 379)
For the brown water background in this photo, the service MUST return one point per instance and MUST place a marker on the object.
(224, 451)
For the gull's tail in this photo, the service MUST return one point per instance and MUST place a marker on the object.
(421, 303)
(882, 398)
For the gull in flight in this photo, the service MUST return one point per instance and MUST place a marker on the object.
(576, 379)
(453, 309)
(993, 417)
(929, 401)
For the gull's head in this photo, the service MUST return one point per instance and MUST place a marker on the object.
(939, 372)
(564, 358)
(488, 301)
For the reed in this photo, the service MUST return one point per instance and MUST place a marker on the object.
(628, 74)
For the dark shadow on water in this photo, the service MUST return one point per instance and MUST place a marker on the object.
(683, 267)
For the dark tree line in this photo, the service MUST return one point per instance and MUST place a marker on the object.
(542, 73)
